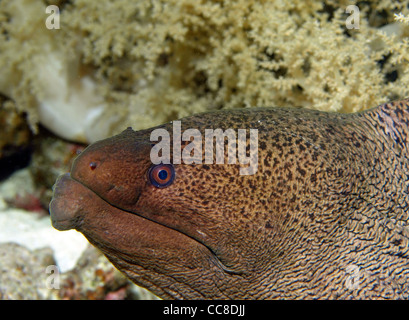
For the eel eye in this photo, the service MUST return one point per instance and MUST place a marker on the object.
(161, 175)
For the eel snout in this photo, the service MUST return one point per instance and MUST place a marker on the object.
(68, 204)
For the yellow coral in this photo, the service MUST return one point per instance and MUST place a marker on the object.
(158, 60)
(401, 17)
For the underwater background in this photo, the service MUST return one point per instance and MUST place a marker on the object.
(73, 72)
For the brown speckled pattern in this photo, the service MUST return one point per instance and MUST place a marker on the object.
(330, 194)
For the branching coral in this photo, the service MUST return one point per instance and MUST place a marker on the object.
(153, 61)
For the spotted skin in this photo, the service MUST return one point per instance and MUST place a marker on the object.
(325, 215)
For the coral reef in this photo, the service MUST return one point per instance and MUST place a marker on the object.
(51, 157)
(15, 131)
(95, 278)
(31, 188)
(22, 274)
(15, 139)
(29, 245)
(118, 63)
(34, 232)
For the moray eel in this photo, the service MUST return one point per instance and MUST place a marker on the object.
(324, 216)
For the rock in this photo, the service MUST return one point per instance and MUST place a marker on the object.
(95, 278)
(39, 262)
(23, 273)
(35, 232)
(19, 191)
